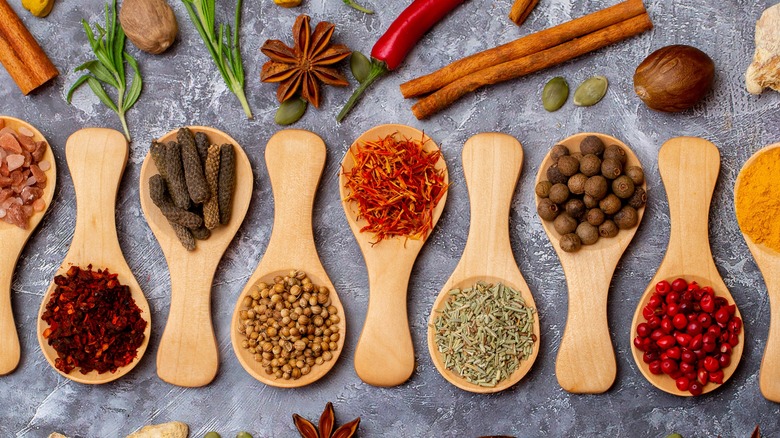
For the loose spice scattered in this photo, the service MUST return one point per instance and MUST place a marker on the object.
(396, 186)
(327, 426)
(484, 332)
(94, 322)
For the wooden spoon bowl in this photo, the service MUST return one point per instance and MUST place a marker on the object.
(14, 239)
(491, 164)
(96, 158)
(768, 261)
(192, 274)
(689, 169)
(586, 359)
(295, 160)
(385, 354)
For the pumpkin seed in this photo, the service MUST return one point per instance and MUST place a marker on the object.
(555, 93)
(360, 66)
(290, 111)
(591, 91)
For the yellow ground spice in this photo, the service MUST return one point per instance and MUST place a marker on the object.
(758, 201)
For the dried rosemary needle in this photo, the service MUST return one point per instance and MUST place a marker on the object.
(484, 332)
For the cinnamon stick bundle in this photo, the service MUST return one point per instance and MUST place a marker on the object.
(521, 9)
(524, 46)
(20, 54)
(444, 97)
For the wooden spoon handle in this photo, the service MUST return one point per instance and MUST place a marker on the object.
(385, 354)
(491, 166)
(689, 169)
(9, 338)
(189, 328)
(96, 159)
(295, 159)
(769, 379)
(586, 360)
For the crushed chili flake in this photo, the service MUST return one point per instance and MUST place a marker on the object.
(396, 186)
(94, 322)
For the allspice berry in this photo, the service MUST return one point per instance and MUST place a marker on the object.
(590, 201)
(616, 152)
(592, 145)
(558, 151)
(564, 224)
(636, 174)
(611, 204)
(639, 199)
(595, 216)
(570, 242)
(575, 208)
(555, 176)
(590, 165)
(577, 184)
(587, 233)
(559, 193)
(547, 210)
(568, 165)
(608, 229)
(623, 187)
(543, 189)
(611, 168)
(626, 218)
(596, 186)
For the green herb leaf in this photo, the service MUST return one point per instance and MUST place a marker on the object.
(75, 85)
(94, 84)
(135, 87)
(99, 71)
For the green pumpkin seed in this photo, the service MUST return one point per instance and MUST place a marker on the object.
(360, 66)
(555, 93)
(290, 111)
(212, 435)
(591, 91)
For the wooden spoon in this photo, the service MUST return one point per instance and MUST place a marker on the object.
(96, 158)
(768, 261)
(689, 168)
(586, 359)
(192, 274)
(295, 160)
(491, 165)
(13, 239)
(384, 354)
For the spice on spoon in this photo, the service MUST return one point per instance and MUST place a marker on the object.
(758, 200)
(22, 175)
(484, 332)
(396, 186)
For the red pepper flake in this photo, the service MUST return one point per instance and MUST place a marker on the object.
(396, 186)
(94, 323)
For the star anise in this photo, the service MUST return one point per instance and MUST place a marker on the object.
(306, 64)
(326, 426)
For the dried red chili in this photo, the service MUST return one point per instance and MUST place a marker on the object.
(396, 186)
(94, 322)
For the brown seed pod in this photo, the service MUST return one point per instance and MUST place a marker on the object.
(197, 186)
(575, 208)
(590, 201)
(564, 224)
(595, 216)
(592, 145)
(570, 242)
(158, 151)
(587, 233)
(227, 182)
(162, 200)
(674, 78)
(211, 207)
(558, 151)
(201, 233)
(543, 189)
(596, 186)
(202, 143)
(639, 199)
(626, 218)
(568, 165)
(576, 184)
(636, 174)
(177, 184)
(608, 229)
(559, 193)
(611, 168)
(623, 187)
(185, 236)
(611, 204)
(590, 165)
(547, 210)
(616, 152)
(555, 176)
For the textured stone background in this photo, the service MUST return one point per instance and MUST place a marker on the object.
(183, 87)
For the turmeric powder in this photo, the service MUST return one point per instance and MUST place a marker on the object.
(758, 199)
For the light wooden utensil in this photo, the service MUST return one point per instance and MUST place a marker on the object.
(384, 354)
(295, 160)
(96, 159)
(13, 239)
(189, 327)
(491, 165)
(586, 359)
(768, 261)
(689, 168)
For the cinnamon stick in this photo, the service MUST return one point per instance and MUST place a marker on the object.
(20, 54)
(523, 46)
(521, 9)
(444, 97)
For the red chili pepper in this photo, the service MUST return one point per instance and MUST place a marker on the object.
(399, 39)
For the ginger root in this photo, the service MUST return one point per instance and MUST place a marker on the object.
(765, 70)
(174, 429)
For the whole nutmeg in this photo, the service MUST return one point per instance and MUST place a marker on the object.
(674, 78)
(149, 24)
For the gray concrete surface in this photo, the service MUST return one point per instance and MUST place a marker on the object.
(183, 87)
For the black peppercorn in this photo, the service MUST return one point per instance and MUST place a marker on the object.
(639, 198)
(626, 218)
(596, 186)
(616, 152)
(595, 216)
(590, 165)
(592, 145)
(577, 184)
(623, 187)
(565, 224)
(570, 242)
(608, 229)
(543, 189)
(611, 168)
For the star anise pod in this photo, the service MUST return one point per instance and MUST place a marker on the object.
(306, 64)
(326, 426)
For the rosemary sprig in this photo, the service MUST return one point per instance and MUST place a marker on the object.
(223, 45)
(109, 68)
(354, 5)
